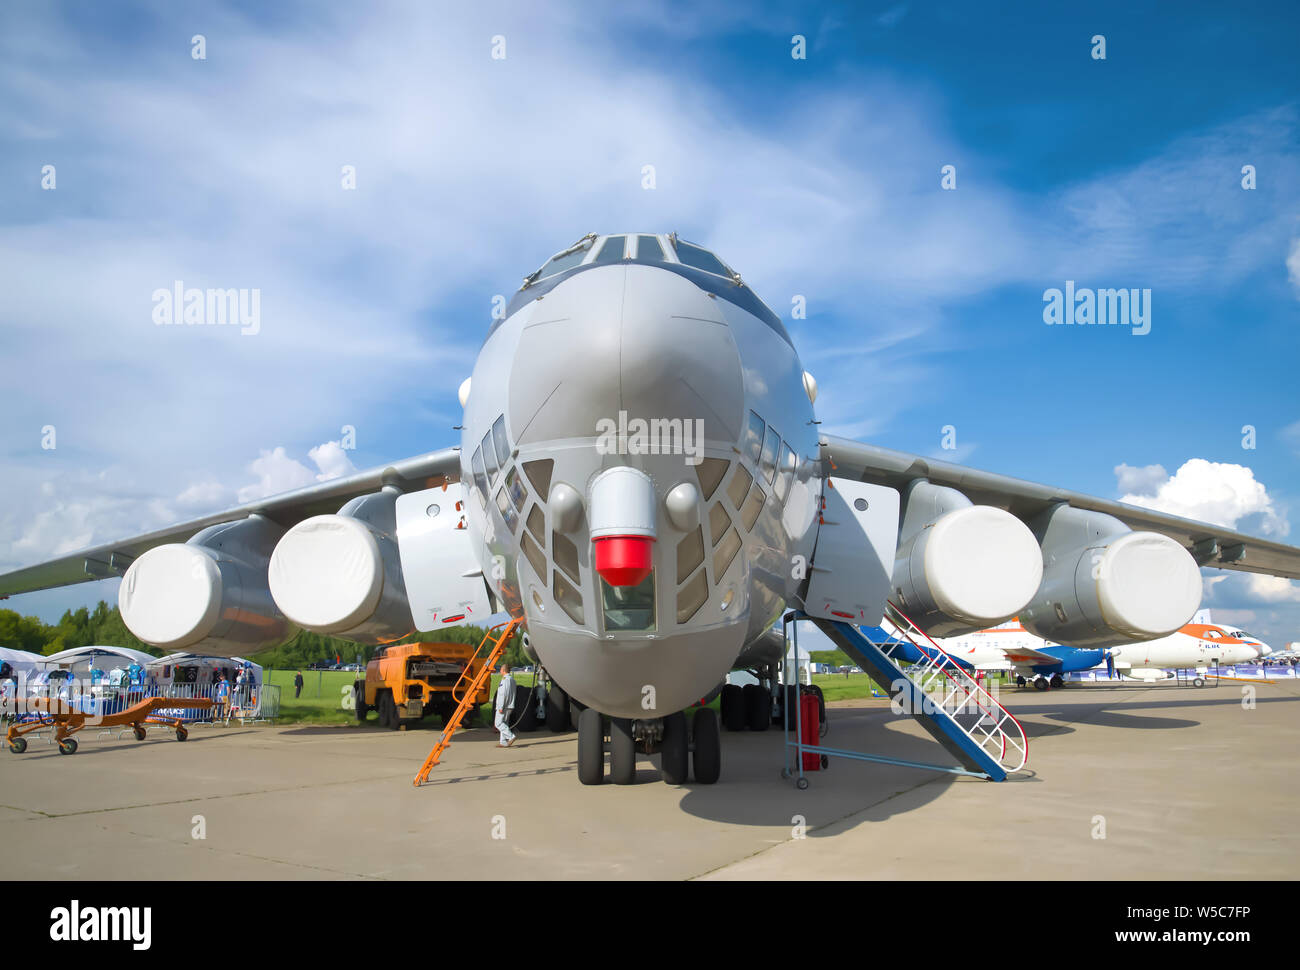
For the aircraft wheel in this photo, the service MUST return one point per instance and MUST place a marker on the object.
(68, 746)
(1040, 683)
(733, 707)
(591, 747)
(622, 752)
(708, 746)
(18, 745)
(182, 734)
(675, 749)
(1057, 681)
(1198, 682)
(758, 707)
(557, 709)
(139, 734)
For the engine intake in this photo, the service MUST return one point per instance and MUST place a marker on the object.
(1105, 585)
(209, 594)
(342, 574)
(961, 567)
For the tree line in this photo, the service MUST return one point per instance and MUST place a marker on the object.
(103, 626)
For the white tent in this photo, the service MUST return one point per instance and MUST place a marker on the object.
(174, 668)
(21, 660)
(102, 657)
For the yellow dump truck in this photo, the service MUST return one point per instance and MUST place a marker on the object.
(409, 681)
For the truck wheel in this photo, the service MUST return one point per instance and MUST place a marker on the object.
(557, 709)
(394, 718)
(359, 693)
(622, 751)
(675, 749)
(591, 748)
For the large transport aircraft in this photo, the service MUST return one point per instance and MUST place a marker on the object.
(642, 479)
(1198, 645)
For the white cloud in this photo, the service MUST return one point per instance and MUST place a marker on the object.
(332, 460)
(1216, 492)
(1274, 589)
(1143, 480)
(204, 496)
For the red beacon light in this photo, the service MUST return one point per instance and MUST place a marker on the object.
(624, 560)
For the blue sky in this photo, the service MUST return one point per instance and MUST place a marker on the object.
(818, 177)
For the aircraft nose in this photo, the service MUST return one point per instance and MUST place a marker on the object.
(631, 339)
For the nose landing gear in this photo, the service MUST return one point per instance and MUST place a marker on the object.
(701, 749)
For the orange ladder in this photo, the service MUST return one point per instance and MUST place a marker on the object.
(476, 673)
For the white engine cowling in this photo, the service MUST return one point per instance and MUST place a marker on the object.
(341, 574)
(962, 567)
(1105, 585)
(207, 595)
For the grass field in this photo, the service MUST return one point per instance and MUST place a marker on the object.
(322, 694)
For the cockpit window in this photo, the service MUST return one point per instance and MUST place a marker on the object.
(753, 442)
(568, 259)
(767, 463)
(611, 251)
(648, 248)
(691, 255)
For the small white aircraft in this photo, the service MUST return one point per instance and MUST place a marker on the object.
(641, 479)
(1198, 645)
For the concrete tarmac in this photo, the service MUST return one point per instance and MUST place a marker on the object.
(1183, 783)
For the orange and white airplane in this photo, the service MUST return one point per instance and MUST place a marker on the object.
(1198, 645)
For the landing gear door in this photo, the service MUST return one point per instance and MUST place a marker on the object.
(444, 582)
(854, 559)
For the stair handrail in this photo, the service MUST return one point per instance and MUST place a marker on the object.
(940, 664)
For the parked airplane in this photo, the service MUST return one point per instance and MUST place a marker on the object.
(1198, 645)
(641, 478)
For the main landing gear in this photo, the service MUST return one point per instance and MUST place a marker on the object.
(1055, 682)
(700, 748)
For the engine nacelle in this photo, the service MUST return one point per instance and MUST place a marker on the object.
(961, 567)
(342, 575)
(208, 595)
(1105, 585)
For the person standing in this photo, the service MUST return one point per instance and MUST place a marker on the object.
(222, 691)
(505, 699)
(297, 685)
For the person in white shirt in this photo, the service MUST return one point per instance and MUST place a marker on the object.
(505, 699)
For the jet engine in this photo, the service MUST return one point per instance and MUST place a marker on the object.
(1105, 585)
(207, 595)
(961, 567)
(342, 574)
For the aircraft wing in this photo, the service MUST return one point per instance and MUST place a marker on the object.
(1210, 545)
(1028, 656)
(286, 509)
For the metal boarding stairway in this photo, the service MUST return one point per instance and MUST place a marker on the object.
(471, 681)
(945, 699)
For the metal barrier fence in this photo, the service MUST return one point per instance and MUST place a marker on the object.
(251, 704)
